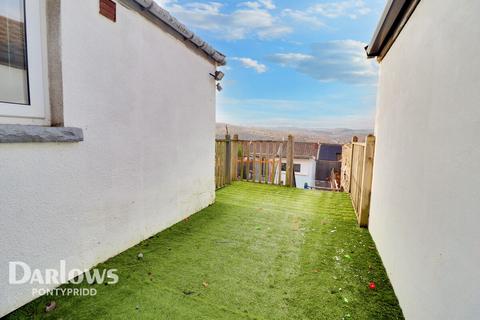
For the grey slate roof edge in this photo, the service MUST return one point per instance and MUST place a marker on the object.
(164, 16)
(14, 133)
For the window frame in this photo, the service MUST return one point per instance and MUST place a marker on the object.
(36, 112)
(296, 166)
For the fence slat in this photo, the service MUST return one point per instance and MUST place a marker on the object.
(228, 160)
(264, 163)
(268, 163)
(255, 146)
(268, 157)
(234, 159)
(247, 169)
(274, 162)
(242, 161)
(279, 168)
(260, 162)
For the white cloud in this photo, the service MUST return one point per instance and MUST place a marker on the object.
(340, 60)
(274, 32)
(303, 17)
(314, 16)
(251, 18)
(250, 4)
(349, 8)
(268, 4)
(287, 59)
(196, 14)
(251, 64)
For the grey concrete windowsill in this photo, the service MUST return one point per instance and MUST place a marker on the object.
(13, 133)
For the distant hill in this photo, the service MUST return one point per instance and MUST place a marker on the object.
(340, 136)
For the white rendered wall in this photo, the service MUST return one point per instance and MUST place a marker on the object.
(306, 174)
(146, 104)
(426, 197)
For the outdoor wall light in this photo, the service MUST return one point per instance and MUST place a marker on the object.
(218, 75)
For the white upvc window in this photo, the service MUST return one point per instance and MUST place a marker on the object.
(23, 94)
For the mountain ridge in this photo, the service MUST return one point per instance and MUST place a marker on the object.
(334, 136)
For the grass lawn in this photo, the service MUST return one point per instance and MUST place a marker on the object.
(261, 252)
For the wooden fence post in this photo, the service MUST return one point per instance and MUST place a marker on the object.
(366, 181)
(228, 159)
(289, 173)
(235, 158)
(354, 140)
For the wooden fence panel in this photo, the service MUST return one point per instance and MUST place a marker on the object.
(254, 161)
(357, 173)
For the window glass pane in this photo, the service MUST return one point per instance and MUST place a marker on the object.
(13, 53)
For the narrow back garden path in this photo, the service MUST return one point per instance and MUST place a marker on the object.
(260, 252)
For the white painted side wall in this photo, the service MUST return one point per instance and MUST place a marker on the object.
(146, 104)
(425, 200)
(306, 174)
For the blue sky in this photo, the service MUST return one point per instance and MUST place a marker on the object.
(290, 63)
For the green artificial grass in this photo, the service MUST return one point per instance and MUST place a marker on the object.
(260, 252)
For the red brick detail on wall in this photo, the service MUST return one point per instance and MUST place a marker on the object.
(108, 9)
